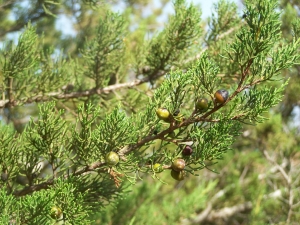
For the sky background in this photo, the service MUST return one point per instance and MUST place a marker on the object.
(64, 23)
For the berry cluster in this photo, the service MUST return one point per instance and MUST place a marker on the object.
(178, 164)
(201, 105)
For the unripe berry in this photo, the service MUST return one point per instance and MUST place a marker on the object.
(157, 168)
(55, 212)
(187, 151)
(178, 175)
(163, 114)
(201, 104)
(178, 164)
(221, 96)
(112, 158)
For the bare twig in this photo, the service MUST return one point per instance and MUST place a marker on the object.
(288, 179)
(282, 171)
(210, 215)
(204, 214)
(228, 211)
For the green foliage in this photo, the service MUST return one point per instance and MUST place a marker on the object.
(167, 203)
(102, 56)
(102, 97)
(8, 154)
(224, 18)
(167, 48)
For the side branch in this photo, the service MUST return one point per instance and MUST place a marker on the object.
(47, 184)
(78, 94)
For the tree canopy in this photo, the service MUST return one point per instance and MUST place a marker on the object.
(86, 118)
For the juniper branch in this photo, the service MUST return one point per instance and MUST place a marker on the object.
(87, 93)
(78, 94)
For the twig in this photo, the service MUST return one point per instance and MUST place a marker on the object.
(282, 171)
(204, 214)
(288, 180)
(47, 184)
(229, 211)
(78, 94)
(210, 215)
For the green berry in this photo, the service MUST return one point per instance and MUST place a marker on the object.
(55, 212)
(178, 175)
(112, 158)
(163, 114)
(178, 164)
(157, 168)
(201, 104)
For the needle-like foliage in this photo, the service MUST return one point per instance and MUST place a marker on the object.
(102, 97)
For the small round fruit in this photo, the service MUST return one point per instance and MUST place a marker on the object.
(157, 168)
(178, 175)
(178, 164)
(55, 212)
(221, 96)
(201, 104)
(187, 151)
(112, 158)
(163, 114)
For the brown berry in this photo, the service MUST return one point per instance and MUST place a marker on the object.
(221, 96)
(178, 164)
(178, 175)
(187, 151)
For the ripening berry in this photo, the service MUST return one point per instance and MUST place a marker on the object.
(221, 96)
(178, 164)
(178, 175)
(187, 151)
(201, 104)
(112, 158)
(55, 212)
(163, 114)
